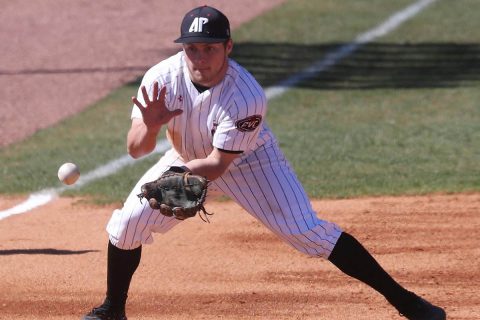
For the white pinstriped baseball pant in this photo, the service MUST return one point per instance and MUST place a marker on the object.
(262, 183)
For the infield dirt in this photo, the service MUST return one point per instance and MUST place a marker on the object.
(53, 262)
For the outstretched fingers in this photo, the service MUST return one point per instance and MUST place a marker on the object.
(175, 113)
(146, 98)
(163, 92)
(154, 110)
(155, 91)
(138, 103)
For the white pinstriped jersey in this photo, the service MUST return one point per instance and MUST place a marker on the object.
(229, 116)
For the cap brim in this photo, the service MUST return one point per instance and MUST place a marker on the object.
(199, 40)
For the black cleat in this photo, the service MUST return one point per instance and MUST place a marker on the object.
(105, 312)
(421, 309)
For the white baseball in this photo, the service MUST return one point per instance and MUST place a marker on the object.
(68, 173)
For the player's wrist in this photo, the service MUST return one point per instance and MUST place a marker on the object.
(179, 169)
(151, 132)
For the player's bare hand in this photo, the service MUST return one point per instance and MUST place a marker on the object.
(154, 112)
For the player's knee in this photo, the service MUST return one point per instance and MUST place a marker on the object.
(317, 241)
(121, 243)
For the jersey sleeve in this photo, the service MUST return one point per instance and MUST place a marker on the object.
(239, 127)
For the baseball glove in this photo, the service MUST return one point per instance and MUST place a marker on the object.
(177, 194)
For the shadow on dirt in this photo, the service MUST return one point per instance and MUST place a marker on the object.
(49, 251)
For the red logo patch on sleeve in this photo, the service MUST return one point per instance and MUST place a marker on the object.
(249, 123)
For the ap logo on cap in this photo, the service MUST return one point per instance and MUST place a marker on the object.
(204, 25)
(197, 24)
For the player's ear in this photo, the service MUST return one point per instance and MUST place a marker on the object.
(228, 46)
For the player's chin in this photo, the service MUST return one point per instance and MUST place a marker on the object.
(201, 77)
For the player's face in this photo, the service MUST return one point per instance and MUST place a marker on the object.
(207, 62)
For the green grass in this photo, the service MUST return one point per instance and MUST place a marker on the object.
(315, 22)
(400, 116)
(89, 139)
(399, 143)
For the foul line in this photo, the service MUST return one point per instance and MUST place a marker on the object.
(331, 58)
(334, 56)
(42, 197)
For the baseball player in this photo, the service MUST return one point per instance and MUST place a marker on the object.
(214, 112)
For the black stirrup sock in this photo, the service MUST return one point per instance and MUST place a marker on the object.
(121, 266)
(354, 260)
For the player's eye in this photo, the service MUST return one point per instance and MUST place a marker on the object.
(210, 49)
(190, 49)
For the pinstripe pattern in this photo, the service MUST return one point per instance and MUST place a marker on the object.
(265, 186)
(261, 180)
(133, 224)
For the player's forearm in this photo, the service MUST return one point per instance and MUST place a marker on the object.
(212, 166)
(206, 168)
(141, 141)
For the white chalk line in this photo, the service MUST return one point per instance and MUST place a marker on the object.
(334, 56)
(43, 197)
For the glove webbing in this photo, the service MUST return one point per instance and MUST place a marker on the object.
(202, 208)
(185, 186)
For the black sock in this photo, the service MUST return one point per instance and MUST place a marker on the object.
(353, 259)
(121, 266)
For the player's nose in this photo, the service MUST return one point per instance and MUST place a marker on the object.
(200, 60)
(200, 57)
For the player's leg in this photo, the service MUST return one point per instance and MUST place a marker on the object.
(266, 187)
(269, 190)
(133, 224)
(129, 228)
(353, 259)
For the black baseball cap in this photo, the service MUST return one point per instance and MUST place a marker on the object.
(204, 24)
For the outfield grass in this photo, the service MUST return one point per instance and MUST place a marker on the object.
(400, 116)
(398, 143)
